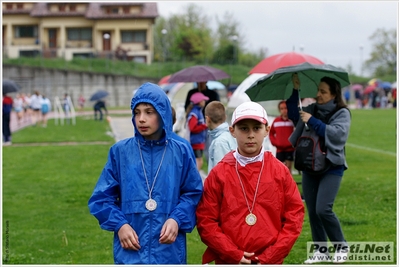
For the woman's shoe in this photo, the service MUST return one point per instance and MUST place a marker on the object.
(318, 257)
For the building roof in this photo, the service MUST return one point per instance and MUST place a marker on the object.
(95, 10)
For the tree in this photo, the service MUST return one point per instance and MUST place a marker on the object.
(228, 40)
(383, 57)
(188, 36)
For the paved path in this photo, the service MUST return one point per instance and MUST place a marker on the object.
(121, 126)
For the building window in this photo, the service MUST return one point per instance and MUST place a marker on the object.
(79, 34)
(133, 36)
(72, 7)
(20, 6)
(61, 7)
(26, 31)
(8, 6)
(126, 10)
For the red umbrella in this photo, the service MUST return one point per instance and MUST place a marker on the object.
(369, 89)
(164, 80)
(277, 61)
(198, 74)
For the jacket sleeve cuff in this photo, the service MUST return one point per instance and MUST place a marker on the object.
(119, 225)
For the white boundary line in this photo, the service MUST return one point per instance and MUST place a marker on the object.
(372, 149)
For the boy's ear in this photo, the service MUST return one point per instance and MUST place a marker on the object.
(267, 130)
(231, 129)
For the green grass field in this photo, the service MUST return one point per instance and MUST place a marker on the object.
(46, 188)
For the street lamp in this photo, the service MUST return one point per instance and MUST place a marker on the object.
(164, 32)
(106, 36)
(301, 48)
(361, 59)
(234, 38)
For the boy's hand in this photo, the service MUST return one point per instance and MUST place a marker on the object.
(246, 259)
(128, 238)
(169, 232)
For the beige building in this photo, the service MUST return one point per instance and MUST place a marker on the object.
(79, 29)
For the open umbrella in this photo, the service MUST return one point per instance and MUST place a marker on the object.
(277, 61)
(357, 87)
(198, 73)
(278, 84)
(374, 81)
(9, 86)
(164, 80)
(369, 89)
(98, 95)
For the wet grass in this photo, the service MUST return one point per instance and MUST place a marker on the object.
(46, 188)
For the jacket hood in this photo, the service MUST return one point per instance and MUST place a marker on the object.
(153, 94)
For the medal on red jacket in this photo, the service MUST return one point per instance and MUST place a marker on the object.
(250, 219)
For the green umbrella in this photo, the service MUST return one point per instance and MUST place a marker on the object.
(278, 84)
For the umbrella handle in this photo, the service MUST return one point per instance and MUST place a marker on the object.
(300, 106)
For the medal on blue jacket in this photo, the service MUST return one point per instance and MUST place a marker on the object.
(150, 204)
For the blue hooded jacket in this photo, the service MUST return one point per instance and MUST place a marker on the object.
(121, 192)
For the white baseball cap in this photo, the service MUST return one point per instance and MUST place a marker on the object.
(249, 110)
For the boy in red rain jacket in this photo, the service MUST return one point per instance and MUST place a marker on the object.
(251, 210)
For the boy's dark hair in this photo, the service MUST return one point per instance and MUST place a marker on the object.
(216, 112)
(173, 115)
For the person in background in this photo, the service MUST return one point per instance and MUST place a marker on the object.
(7, 108)
(46, 108)
(347, 95)
(202, 88)
(66, 106)
(218, 129)
(81, 102)
(36, 106)
(149, 188)
(320, 190)
(98, 107)
(18, 104)
(280, 131)
(212, 96)
(197, 127)
(251, 211)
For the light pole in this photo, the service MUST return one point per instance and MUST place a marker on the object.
(164, 32)
(361, 59)
(106, 36)
(234, 38)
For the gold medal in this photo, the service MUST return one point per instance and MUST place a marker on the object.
(250, 219)
(151, 205)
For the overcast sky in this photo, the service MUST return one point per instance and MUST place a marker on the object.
(331, 31)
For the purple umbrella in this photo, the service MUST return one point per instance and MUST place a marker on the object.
(198, 74)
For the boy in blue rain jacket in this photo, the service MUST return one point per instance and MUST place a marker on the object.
(149, 189)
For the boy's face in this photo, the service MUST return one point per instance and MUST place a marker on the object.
(249, 135)
(147, 121)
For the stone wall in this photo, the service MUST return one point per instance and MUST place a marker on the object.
(55, 83)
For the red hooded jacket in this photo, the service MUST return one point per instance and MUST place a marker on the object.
(222, 210)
